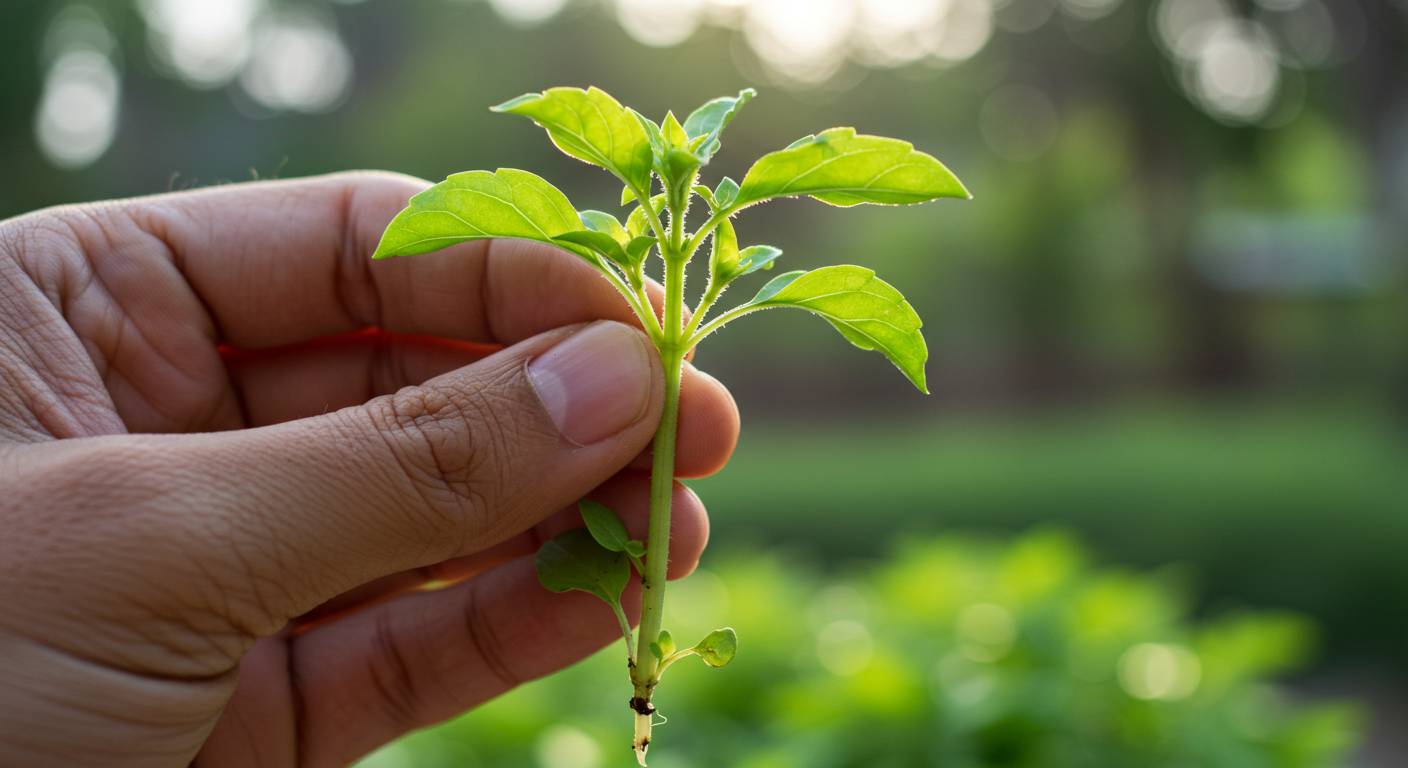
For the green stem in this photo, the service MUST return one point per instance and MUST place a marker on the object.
(711, 294)
(697, 239)
(636, 299)
(626, 631)
(719, 322)
(662, 481)
(643, 196)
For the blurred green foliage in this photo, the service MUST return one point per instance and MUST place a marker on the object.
(1283, 504)
(955, 652)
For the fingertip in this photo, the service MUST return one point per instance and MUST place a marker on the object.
(628, 494)
(708, 428)
(689, 532)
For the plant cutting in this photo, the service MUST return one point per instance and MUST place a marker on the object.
(659, 165)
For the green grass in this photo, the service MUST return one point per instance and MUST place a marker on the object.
(1275, 506)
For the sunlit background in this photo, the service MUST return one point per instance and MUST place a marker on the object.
(1156, 512)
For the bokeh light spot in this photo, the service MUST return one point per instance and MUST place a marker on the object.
(77, 27)
(77, 116)
(659, 23)
(1159, 671)
(1237, 72)
(563, 746)
(801, 40)
(527, 13)
(297, 63)
(844, 647)
(964, 28)
(1089, 10)
(203, 42)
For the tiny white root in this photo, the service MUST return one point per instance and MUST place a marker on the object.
(641, 742)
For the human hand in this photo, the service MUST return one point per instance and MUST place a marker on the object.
(214, 523)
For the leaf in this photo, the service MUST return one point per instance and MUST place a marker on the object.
(600, 221)
(574, 560)
(707, 195)
(726, 192)
(756, 257)
(709, 121)
(719, 647)
(476, 205)
(590, 126)
(674, 133)
(595, 242)
(680, 167)
(842, 168)
(665, 645)
(638, 223)
(723, 260)
(866, 310)
(804, 140)
(604, 525)
(638, 247)
(635, 548)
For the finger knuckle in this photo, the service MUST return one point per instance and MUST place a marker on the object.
(452, 446)
(390, 669)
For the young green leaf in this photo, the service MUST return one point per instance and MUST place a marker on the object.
(809, 138)
(866, 310)
(707, 195)
(595, 242)
(665, 645)
(705, 124)
(590, 126)
(726, 192)
(600, 221)
(653, 134)
(638, 223)
(635, 548)
(604, 525)
(723, 260)
(574, 560)
(476, 205)
(718, 648)
(756, 257)
(843, 168)
(674, 133)
(638, 247)
(679, 170)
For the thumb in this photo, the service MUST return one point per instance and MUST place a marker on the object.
(434, 471)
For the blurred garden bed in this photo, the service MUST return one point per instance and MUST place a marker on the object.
(954, 652)
(1278, 505)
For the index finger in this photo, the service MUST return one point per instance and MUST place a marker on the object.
(279, 262)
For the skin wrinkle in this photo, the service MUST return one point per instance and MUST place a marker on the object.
(485, 641)
(49, 391)
(226, 608)
(410, 417)
(357, 292)
(513, 421)
(297, 682)
(350, 427)
(270, 530)
(391, 676)
(145, 228)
